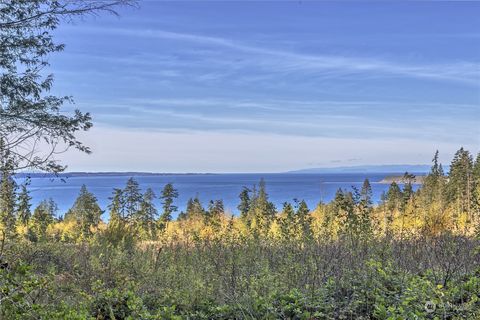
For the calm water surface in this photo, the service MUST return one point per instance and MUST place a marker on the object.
(282, 187)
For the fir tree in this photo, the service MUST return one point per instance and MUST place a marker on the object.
(85, 211)
(43, 216)
(244, 205)
(132, 198)
(344, 207)
(460, 184)
(407, 192)
(194, 208)
(476, 187)
(263, 211)
(287, 221)
(365, 207)
(23, 205)
(117, 206)
(148, 213)
(168, 196)
(215, 212)
(304, 220)
(394, 197)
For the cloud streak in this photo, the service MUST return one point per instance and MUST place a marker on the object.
(331, 66)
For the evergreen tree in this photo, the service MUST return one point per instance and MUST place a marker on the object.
(23, 205)
(434, 183)
(148, 213)
(132, 198)
(194, 208)
(215, 212)
(244, 205)
(365, 207)
(7, 203)
(169, 194)
(262, 211)
(182, 216)
(29, 112)
(366, 194)
(216, 208)
(408, 180)
(287, 221)
(436, 170)
(117, 206)
(394, 197)
(43, 216)
(476, 169)
(344, 207)
(476, 187)
(304, 220)
(460, 184)
(85, 211)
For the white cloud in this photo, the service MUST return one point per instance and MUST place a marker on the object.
(117, 149)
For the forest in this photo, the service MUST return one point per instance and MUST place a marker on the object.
(413, 256)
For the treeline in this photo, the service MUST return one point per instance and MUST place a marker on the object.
(445, 202)
(412, 256)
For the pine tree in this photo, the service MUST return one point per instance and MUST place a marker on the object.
(23, 205)
(168, 196)
(85, 211)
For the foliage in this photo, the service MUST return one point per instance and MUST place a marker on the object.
(414, 256)
(33, 126)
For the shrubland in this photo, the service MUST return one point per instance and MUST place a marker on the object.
(412, 256)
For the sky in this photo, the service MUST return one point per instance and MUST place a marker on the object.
(270, 86)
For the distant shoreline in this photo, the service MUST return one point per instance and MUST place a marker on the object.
(400, 179)
(104, 174)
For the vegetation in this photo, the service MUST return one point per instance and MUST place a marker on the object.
(413, 256)
(33, 126)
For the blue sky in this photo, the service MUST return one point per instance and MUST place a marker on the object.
(273, 86)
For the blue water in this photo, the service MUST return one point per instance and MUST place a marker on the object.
(313, 188)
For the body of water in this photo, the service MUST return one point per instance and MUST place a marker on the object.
(313, 188)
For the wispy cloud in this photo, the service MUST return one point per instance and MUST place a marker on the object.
(467, 72)
(336, 119)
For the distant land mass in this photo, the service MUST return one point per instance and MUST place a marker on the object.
(391, 168)
(102, 174)
(419, 179)
(388, 169)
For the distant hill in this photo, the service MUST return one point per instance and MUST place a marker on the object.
(393, 168)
